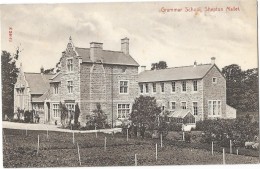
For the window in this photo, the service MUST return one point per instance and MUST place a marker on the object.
(214, 80)
(195, 108)
(214, 107)
(173, 86)
(56, 112)
(70, 65)
(195, 85)
(154, 87)
(141, 88)
(162, 87)
(173, 105)
(183, 105)
(56, 89)
(146, 88)
(123, 87)
(183, 86)
(70, 107)
(123, 111)
(70, 86)
(20, 90)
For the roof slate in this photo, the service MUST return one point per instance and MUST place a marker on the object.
(38, 83)
(175, 73)
(56, 78)
(110, 57)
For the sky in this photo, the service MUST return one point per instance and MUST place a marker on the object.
(42, 31)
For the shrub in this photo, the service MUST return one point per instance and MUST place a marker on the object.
(174, 126)
(98, 118)
(187, 137)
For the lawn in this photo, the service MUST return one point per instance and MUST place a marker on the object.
(58, 150)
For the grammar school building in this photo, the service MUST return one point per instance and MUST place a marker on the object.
(93, 75)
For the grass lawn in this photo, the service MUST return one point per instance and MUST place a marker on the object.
(58, 150)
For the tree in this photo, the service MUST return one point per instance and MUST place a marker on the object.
(159, 65)
(49, 71)
(98, 118)
(9, 77)
(145, 111)
(77, 113)
(242, 88)
(63, 114)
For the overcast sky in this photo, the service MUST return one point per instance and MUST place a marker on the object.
(179, 38)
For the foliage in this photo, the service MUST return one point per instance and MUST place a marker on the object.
(174, 126)
(159, 65)
(222, 131)
(9, 77)
(98, 118)
(63, 114)
(145, 111)
(49, 71)
(242, 88)
(28, 116)
(77, 113)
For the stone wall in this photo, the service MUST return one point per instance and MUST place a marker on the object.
(214, 91)
(165, 98)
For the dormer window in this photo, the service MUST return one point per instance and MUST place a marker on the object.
(69, 65)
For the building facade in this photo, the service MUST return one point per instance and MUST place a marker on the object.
(198, 88)
(91, 76)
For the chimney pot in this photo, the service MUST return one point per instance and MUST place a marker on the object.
(125, 45)
(213, 60)
(42, 70)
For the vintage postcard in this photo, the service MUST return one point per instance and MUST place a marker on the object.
(129, 84)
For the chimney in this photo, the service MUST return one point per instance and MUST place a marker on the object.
(42, 70)
(213, 60)
(96, 51)
(125, 45)
(195, 64)
(143, 68)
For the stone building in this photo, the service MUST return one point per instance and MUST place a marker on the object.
(199, 88)
(91, 76)
(31, 90)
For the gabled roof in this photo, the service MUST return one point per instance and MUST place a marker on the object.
(181, 113)
(110, 57)
(56, 78)
(38, 83)
(175, 73)
(42, 97)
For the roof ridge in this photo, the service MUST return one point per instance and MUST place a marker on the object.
(179, 67)
(103, 49)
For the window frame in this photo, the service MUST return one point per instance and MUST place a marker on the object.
(127, 87)
(123, 109)
(182, 84)
(146, 87)
(216, 109)
(56, 88)
(70, 86)
(162, 87)
(154, 87)
(69, 65)
(193, 84)
(216, 80)
(195, 113)
(172, 105)
(185, 105)
(141, 87)
(173, 86)
(55, 110)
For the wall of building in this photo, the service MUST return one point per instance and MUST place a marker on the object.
(165, 98)
(214, 91)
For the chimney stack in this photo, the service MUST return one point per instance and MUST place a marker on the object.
(195, 64)
(143, 68)
(125, 45)
(213, 60)
(96, 51)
